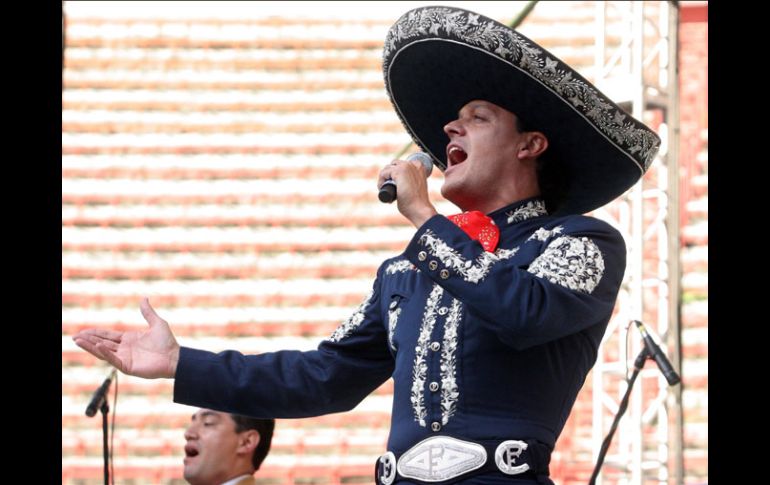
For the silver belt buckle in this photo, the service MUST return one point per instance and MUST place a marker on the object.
(440, 458)
(506, 454)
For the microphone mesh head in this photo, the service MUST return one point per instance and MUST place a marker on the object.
(424, 159)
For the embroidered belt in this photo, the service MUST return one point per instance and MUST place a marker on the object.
(439, 459)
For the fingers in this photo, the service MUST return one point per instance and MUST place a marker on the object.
(89, 344)
(102, 349)
(91, 338)
(100, 333)
(386, 173)
(109, 356)
(418, 166)
(395, 170)
(110, 347)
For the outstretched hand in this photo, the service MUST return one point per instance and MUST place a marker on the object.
(151, 353)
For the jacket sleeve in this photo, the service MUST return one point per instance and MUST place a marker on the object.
(335, 377)
(570, 284)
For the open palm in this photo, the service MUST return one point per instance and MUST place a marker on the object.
(150, 353)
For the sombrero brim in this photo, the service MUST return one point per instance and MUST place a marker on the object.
(436, 59)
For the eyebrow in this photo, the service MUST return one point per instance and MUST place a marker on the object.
(205, 414)
(473, 106)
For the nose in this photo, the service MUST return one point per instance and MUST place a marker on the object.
(454, 127)
(191, 432)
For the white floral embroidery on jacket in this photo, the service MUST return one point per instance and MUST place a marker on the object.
(348, 326)
(420, 369)
(533, 208)
(450, 392)
(572, 262)
(471, 271)
(542, 234)
(400, 266)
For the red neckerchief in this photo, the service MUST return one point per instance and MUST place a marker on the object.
(479, 227)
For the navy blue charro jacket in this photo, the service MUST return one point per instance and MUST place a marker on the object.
(482, 346)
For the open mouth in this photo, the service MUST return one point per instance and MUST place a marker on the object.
(190, 451)
(455, 155)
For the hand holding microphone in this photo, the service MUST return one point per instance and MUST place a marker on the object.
(388, 190)
(413, 200)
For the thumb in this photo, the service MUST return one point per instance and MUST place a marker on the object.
(148, 312)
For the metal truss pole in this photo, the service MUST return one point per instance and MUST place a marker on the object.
(674, 336)
(635, 61)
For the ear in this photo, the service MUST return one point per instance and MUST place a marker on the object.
(248, 441)
(535, 144)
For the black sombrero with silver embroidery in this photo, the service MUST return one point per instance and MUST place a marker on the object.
(436, 59)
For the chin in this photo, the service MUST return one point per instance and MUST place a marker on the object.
(190, 475)
(449, 190)
(454, 193)
(195, 480)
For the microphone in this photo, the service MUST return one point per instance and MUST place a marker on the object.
(660, 358)
(99, 396)
(388, 190)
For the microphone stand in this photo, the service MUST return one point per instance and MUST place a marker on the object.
(638, 364)
(105, 409)
(100, 400)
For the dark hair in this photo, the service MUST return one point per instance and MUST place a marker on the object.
(265, 429)
(552, 177)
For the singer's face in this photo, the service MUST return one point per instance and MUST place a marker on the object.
(211, 447)
(480, 156)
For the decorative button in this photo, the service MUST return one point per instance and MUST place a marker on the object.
(444, 274)
(443, 309)
(433, 386)
(422, 255)
(435, 426)
(434, 346)
(393, 304)
(433, 265)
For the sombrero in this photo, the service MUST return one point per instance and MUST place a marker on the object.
(436, 59)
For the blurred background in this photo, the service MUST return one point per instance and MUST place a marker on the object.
(221, 159)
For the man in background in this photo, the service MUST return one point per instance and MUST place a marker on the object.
(225, 449)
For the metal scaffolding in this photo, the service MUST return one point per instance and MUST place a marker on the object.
(636, 65)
